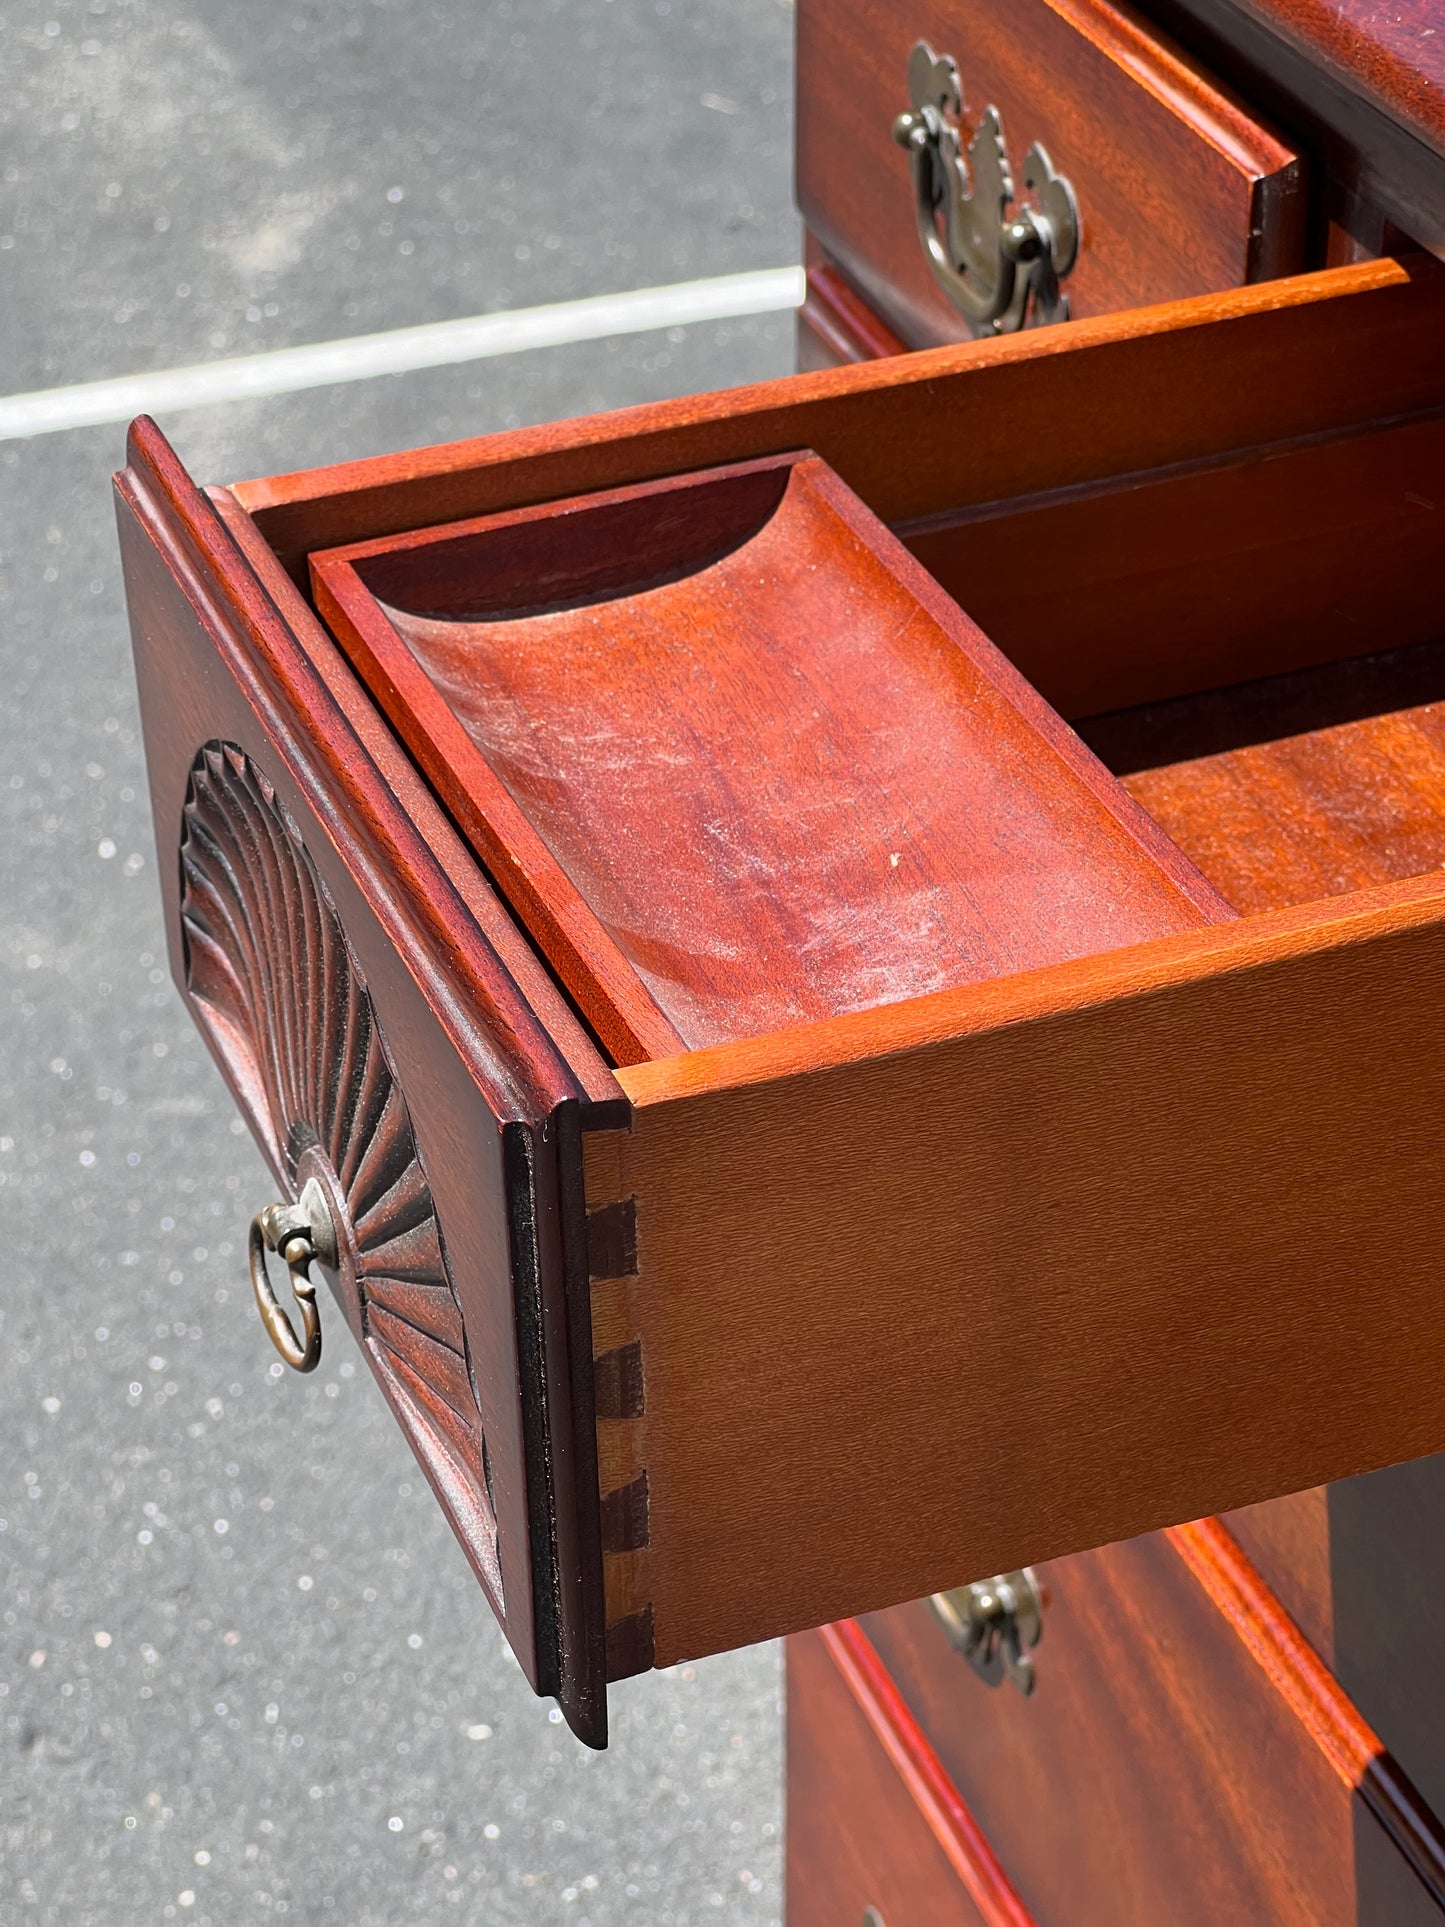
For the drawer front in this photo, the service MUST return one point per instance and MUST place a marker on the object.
(1160, 1771)
(1359, 1567)
(393, 1045)
(1179, 190)
(857, 1837)
(835, 326)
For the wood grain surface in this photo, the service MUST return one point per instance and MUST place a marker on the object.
(1293, 813)
(1288, 1542)
(1355, 1753)
(1170, 1161)
(1355, 1557)
(920, 435)
(1156, 1774)
(1186, 580)
(1360, 86)
(703, 782)
(1310, 816)
(1180, 187)
(873, 1819)
(1191, 383)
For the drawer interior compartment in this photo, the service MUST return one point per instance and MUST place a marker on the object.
(747, 767)
(1181, 579)
(1272, 623)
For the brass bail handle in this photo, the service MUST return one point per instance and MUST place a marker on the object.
(300, 1233)
(1001, 270)
(994, 1623)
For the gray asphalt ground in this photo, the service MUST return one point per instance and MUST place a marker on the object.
(244, 1670)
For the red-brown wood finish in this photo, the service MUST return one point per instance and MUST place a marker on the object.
(1181, 190)
(1350, 794)
(1359, 1565)
(1157, 1773)
(952, 429)
(1310, 816)
(1208, 576)
(703, 782)
(873, 1819)
(1392, 55)
(1126, 394)
(1288, 1543)
(293, 1024)
(1306, 813)
(1302, 1680)
(470, 1021)
(835, 325)
(1360, 86)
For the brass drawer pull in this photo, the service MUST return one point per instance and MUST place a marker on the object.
(987, 262)
(301, 1233)
(994, 1623)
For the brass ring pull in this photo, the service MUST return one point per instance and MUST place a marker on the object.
(301, 1233)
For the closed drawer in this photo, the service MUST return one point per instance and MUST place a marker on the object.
(1158, 1771)
(873, 1821)
(1353, 1559)
(1347, 1560)
(1179, 189)
(673, 1317)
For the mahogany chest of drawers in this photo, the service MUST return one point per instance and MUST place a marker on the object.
(841, 981)
(1232, 1728)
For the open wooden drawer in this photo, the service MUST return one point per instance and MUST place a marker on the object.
(714, 1328)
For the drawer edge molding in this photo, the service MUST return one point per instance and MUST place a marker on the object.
(843, 320)
(1164, 70)
(923, 1773)
(1301, 1678)
(1336, 96)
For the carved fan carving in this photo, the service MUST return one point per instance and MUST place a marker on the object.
(274, 982)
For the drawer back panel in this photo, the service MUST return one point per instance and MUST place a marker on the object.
(1166, 583)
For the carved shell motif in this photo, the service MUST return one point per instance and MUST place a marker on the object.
(274, 982)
